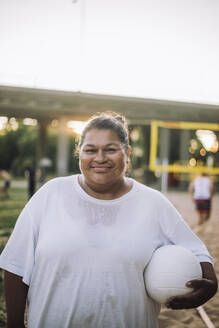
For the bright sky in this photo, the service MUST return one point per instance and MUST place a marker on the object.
(162, 49)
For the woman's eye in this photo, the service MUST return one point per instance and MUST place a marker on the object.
(89, 150)
(111, 150)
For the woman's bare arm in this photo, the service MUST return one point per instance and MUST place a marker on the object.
(15, 297)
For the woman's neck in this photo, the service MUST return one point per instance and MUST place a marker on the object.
(106, 192)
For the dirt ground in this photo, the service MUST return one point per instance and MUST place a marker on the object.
(191, 318)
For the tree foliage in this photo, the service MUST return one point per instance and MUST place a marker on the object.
(16, 146)
(20, 146)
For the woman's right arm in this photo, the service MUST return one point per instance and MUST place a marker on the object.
(15, 297)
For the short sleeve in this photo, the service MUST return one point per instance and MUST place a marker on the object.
(18, 254)
(174, 230)
(184, 236)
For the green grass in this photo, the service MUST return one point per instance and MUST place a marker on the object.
(9, 210)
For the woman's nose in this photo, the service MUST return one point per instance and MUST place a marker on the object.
(100, 156)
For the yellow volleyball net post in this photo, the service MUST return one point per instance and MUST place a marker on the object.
(156, 165)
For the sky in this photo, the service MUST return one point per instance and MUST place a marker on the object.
(159, 49)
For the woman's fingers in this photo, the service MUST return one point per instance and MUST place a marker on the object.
(203, 289)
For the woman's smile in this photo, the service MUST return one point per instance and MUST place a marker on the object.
(101, 169)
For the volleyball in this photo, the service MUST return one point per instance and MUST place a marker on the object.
(168, 271)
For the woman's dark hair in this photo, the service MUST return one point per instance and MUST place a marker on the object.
(108, 121)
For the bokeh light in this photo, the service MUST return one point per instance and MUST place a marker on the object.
(29, 121)
(192, 162)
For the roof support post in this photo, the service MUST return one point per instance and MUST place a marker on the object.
(63, 147)
(42, 139)
(164, 152)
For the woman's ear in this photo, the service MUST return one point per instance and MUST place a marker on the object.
(128, 160)
(129, 151)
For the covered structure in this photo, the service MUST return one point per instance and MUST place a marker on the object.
(47, 105)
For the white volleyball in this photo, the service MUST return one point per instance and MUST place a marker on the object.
(168, 271)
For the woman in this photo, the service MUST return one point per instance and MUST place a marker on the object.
(202, 191)
(81, 244)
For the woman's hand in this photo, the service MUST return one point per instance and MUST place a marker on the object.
(203, 290)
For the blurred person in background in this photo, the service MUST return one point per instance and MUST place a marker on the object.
(6, 185)
(30, 174)
(201, 191)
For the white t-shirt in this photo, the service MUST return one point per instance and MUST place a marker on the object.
(202, 187)
(84, 258)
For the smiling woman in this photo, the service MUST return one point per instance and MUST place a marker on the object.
(104, 156)
(80, 246)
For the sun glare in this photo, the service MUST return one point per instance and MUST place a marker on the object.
(207, 138)
(77, 126)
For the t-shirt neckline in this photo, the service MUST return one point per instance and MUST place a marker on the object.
(85, 195)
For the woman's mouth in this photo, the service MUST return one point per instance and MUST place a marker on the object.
(101, 169)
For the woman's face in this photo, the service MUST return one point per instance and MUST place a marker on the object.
(103, 158)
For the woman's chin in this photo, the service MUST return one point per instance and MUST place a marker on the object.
(102, 178)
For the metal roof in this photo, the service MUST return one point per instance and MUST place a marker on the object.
(45, 104)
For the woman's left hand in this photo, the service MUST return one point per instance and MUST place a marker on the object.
(203, 290)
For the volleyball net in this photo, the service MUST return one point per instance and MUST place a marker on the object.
(184, 147)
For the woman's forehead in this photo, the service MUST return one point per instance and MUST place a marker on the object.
(96, 136)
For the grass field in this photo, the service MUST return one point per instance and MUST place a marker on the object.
(9, 210)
